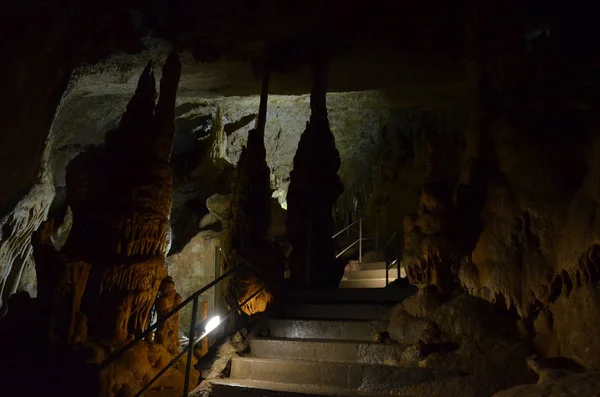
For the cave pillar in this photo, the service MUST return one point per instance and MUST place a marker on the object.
(246, 239)
(105, 280)
(313, 191)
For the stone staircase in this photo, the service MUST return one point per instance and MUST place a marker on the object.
(324, 345)
(368, 275)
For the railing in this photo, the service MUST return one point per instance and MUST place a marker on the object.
(394, 259)
(192, 339)
(360, 239)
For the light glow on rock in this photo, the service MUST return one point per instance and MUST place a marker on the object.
(212, 324)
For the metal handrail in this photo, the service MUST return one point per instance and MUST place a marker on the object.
(389, 240)
(347, 227)
(360, 239)
(190, 347)
(192, 333)
(347, 248)
(396, 261)
(163, 319)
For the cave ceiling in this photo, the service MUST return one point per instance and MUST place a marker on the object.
(98, 48)
(382, 59)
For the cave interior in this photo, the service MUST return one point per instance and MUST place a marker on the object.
(382, 198)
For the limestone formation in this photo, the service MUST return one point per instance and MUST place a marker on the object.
(167, 333)
(314, 189)
(251, 189)
(464, 334)
(564, 382)
(121, 206)
(16, 228)
(62, 282)
(432, 238)
(97, 292)
(247, 232)
(509, 214)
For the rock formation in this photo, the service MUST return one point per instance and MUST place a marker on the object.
(314, 189)
(556, 377)
(432, 246)
(97, 292)
(251, 189)
(518, 227)
(527, 195)
(461, 333)
(246, 235)
(121, 206)
(167, 334)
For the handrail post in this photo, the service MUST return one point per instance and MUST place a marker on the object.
(307, 272)
(398, 255)
(348, 222)
(387, 274)
(190, 348)
(217, 271)
(377, 233)
(360, 240)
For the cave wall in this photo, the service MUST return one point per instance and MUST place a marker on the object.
(536, 125)
(537, 252)
(192, 269)
(391, 186)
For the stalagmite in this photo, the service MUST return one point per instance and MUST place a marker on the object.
(101, 286)
(246, 233)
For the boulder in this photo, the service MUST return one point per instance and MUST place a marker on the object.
(463, 334)
(220, 206)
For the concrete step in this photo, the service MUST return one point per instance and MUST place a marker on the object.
(358, 295)
(383, 379)
(368, 283)
(368, 274)
(326, 329)
(373, 266)
(326, 350)
(337, 311)
(255, 388)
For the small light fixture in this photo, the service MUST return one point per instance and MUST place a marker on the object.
(212, 324)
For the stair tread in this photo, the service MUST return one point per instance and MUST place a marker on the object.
(322, 320)
(371, 377)
(287, 389)
(358, 330)
(340, 364)
(355, 295)
(337, 311)
(345, 341)
(363, 283)
(366, 274)
(323, 350)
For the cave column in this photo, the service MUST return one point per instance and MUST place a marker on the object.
(314, 189)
